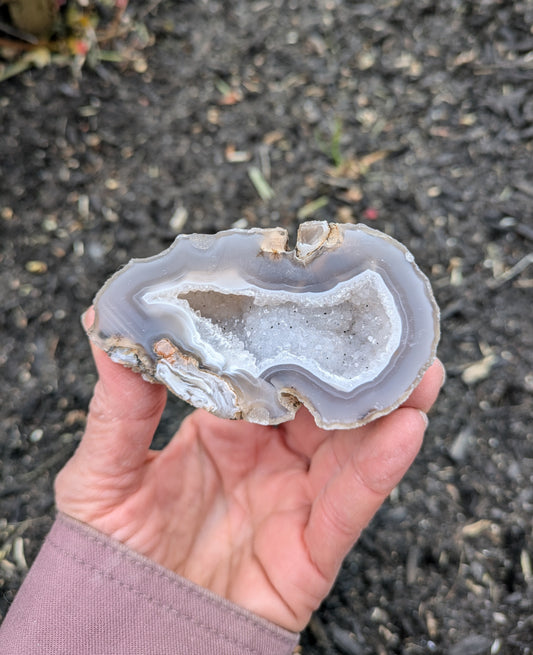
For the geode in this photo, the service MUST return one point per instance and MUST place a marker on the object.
(345, 324)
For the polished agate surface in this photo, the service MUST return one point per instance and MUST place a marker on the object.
(237, 323)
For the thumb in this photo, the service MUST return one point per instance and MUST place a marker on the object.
(123, 415)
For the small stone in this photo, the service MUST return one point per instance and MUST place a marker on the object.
(461, 445)
(477, 528)
(472, 645)
(479, 370)
(36, 435)
(37, 267)
(112, 184)
(345, 641)
(178, 219)
(379, 615)
(140, 65)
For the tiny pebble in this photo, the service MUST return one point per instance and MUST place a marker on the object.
(36, 435)
(472, 645)
(36, 266)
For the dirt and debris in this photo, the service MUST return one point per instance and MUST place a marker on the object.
(414, 117)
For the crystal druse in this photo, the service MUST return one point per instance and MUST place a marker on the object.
(346, 323)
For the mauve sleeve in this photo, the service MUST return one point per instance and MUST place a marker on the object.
(87, 594)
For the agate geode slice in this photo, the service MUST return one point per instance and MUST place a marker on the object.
(345, 323)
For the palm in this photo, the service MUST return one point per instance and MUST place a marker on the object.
(236, 516)
(259, 515)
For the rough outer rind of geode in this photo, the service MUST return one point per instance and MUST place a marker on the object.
(345, 323)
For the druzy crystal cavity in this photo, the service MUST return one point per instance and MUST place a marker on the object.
(236, 323)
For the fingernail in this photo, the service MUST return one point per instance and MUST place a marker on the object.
(425, 417)
(83, 320)
(87, 318)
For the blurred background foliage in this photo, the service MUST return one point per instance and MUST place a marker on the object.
(38, 33)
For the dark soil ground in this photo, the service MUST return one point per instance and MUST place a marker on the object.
(412, 116)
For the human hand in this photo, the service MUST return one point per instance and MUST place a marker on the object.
(262, 516)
